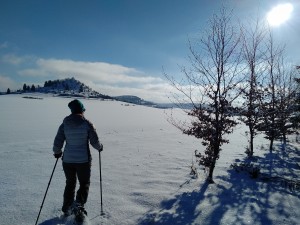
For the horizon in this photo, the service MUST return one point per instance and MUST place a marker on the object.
(115, 47)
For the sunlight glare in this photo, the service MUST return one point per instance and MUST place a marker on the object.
(280, 14)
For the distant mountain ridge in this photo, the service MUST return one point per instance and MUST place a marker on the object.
(134, 100)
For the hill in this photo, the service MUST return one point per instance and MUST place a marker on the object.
(134, 100)
(70, 87)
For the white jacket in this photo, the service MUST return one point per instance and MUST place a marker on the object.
(77, 132)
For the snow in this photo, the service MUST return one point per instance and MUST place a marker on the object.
(145, 170)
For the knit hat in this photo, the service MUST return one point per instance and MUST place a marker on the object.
(76, 106)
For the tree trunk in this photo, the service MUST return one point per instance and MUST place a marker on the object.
(284, 138)
(209, 179)
(251, 143)
(271, 145)
(212, 165)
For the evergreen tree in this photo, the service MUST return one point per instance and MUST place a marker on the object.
(32, 88)
(24, 88)
(8, 91)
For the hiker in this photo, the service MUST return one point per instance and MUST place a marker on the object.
(77, 132)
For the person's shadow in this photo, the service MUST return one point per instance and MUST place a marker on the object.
(54, 221)
(59, 221)
(68, 221)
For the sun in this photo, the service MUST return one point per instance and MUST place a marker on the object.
(280, 14)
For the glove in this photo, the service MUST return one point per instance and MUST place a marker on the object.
(58, 155)
(101, 148)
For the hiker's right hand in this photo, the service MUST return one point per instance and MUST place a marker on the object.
(58, 155)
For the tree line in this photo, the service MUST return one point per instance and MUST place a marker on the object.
(48, 84)
(236, 69)
(26, 88)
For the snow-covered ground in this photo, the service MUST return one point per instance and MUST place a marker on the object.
(145, 170)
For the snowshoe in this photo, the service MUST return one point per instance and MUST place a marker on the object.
(66, 213)
(79, 213)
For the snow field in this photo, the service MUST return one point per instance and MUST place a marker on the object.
(145, 170)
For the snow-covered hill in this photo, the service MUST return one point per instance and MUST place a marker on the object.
(145, 170)
(70, 87)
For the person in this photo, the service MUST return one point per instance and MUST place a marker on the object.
(77, 132)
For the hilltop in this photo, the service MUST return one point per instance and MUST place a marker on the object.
(70, 87)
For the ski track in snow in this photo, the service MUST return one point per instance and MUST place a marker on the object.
(145, 170)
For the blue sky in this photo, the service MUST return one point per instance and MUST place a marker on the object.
(115, 46)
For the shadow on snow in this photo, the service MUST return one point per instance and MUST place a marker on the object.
(234, 199)
(53, 221)
(182, 209)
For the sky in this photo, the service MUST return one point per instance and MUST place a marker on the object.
(117, 47)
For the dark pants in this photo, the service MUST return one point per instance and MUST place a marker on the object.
(83, 172)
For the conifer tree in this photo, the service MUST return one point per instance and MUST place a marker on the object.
(32, 88)
(24, 87)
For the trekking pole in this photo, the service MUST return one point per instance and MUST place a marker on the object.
(101, 213)
(46, 193)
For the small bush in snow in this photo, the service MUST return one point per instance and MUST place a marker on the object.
(251, 169)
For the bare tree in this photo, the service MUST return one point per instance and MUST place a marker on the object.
(296, 115)
(210, 86)
(269, 103)
(253, 40)
(286, 99)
